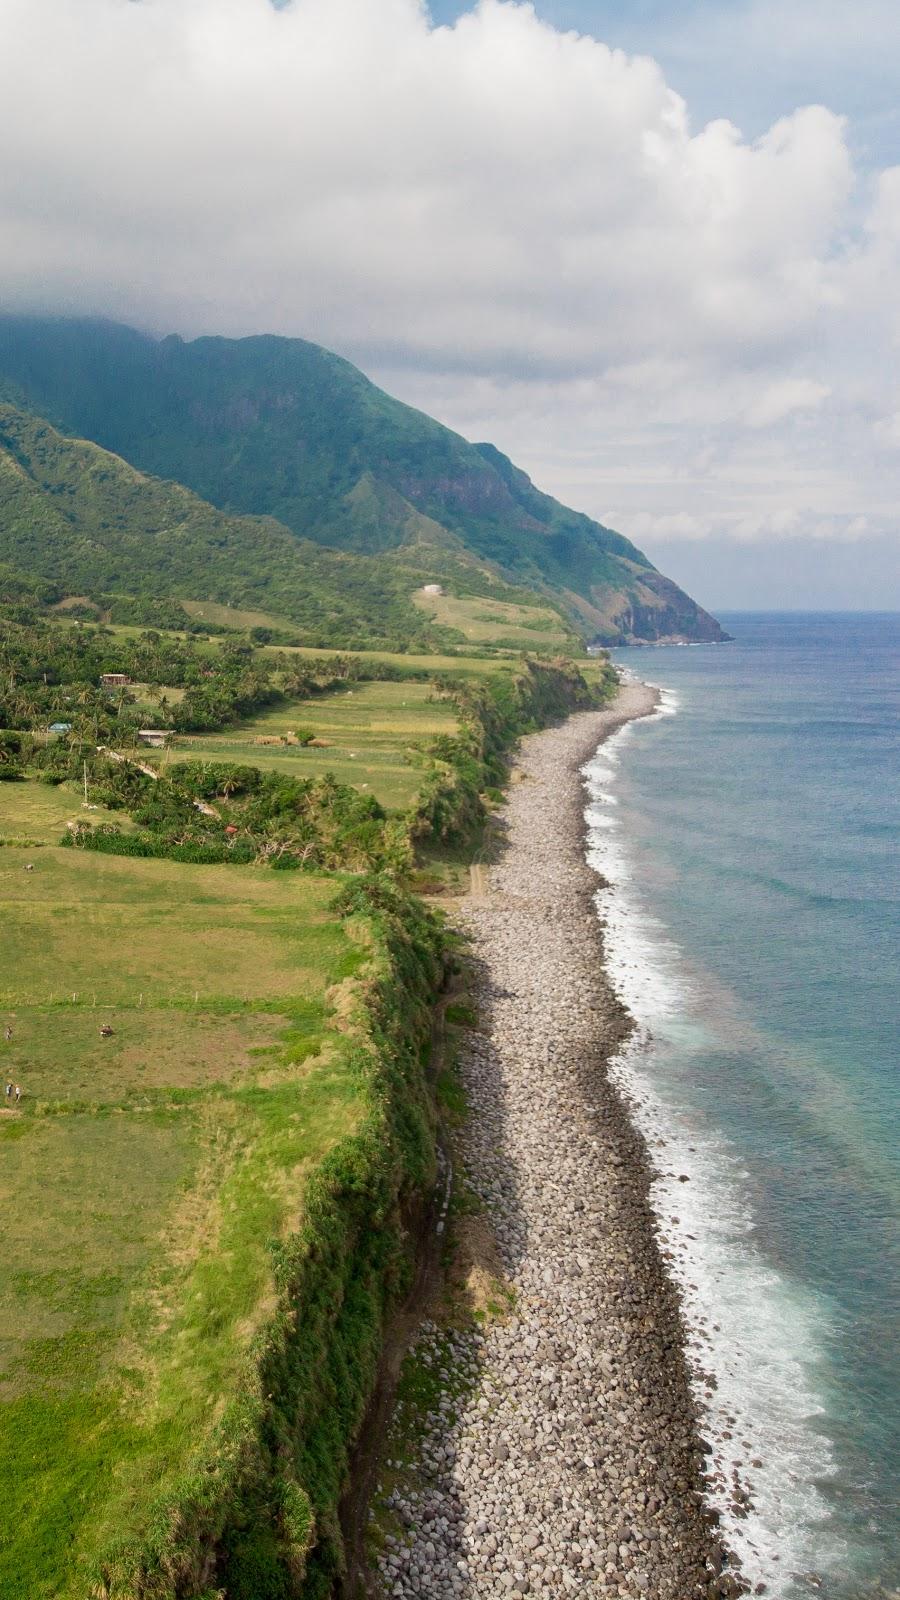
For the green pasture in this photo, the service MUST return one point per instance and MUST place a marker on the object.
(460, 666)
(149, 697)
(171, 1029)
(127, 630)
(145, 1172)
(505, 638)
(496, 622)
(481, 620)
(34, 812)
(370, 732)
(593, 668)
(234, 617)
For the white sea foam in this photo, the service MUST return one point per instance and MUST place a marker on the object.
(754, 1337)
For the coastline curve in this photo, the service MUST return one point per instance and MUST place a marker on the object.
(572, 1461)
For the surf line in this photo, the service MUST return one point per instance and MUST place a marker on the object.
(751, 1383)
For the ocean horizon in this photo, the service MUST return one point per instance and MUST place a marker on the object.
(746, 836)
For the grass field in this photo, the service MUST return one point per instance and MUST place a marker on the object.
(148, 698)
(370, 730)
(126, 630)
(495, 622)
(145, 1172)
(457, 666)
(38, 812)
(480, 620)
(233, 617)
(593, 668)
(511, 639)
(204, 610)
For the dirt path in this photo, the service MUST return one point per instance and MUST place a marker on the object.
(479, 884)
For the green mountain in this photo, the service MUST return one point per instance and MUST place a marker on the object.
(77, 520)
(281, 428)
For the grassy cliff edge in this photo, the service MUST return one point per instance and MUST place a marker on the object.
(158, 1498)
(255, 1511)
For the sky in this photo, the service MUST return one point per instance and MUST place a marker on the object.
(649, 249)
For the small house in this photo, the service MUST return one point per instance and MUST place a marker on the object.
(433, 588)
(155, 737)
(60, 727)
(114, 680)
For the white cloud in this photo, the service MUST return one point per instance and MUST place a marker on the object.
(515, 227)
(799, 524)
(759, 56)
(784, 397)
(497, 190)
(887, 431)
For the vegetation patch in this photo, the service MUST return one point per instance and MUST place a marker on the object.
(226, 1129)
(253, 1510)
(210, 614)
(38, 813)
(366, 734)
(148, 1172)
(485, 620)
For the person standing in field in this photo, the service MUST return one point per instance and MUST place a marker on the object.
(18, 1094)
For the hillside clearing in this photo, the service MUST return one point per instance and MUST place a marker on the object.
(235, 616)
(496, 622)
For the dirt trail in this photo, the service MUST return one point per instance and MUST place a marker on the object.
(479, 886)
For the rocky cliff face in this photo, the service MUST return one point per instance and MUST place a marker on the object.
(662, 613)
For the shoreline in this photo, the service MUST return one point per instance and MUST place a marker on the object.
(569, 1460)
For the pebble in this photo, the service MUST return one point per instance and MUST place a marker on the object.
(566, 1462)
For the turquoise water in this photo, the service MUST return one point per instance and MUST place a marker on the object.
(749, 836)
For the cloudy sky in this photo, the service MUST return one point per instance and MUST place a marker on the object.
(650, 248)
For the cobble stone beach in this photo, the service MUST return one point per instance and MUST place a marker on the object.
(564, 1457)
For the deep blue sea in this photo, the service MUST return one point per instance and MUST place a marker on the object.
(749, 837)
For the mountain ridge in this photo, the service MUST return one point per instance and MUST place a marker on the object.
(281, 428)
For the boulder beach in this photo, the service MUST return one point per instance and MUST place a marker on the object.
(565, 1457)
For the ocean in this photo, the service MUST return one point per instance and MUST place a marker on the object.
(748, 838)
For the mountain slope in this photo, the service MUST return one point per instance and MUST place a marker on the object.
(282, 428)
(81, 519)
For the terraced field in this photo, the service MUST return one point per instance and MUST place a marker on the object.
(368, 735)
